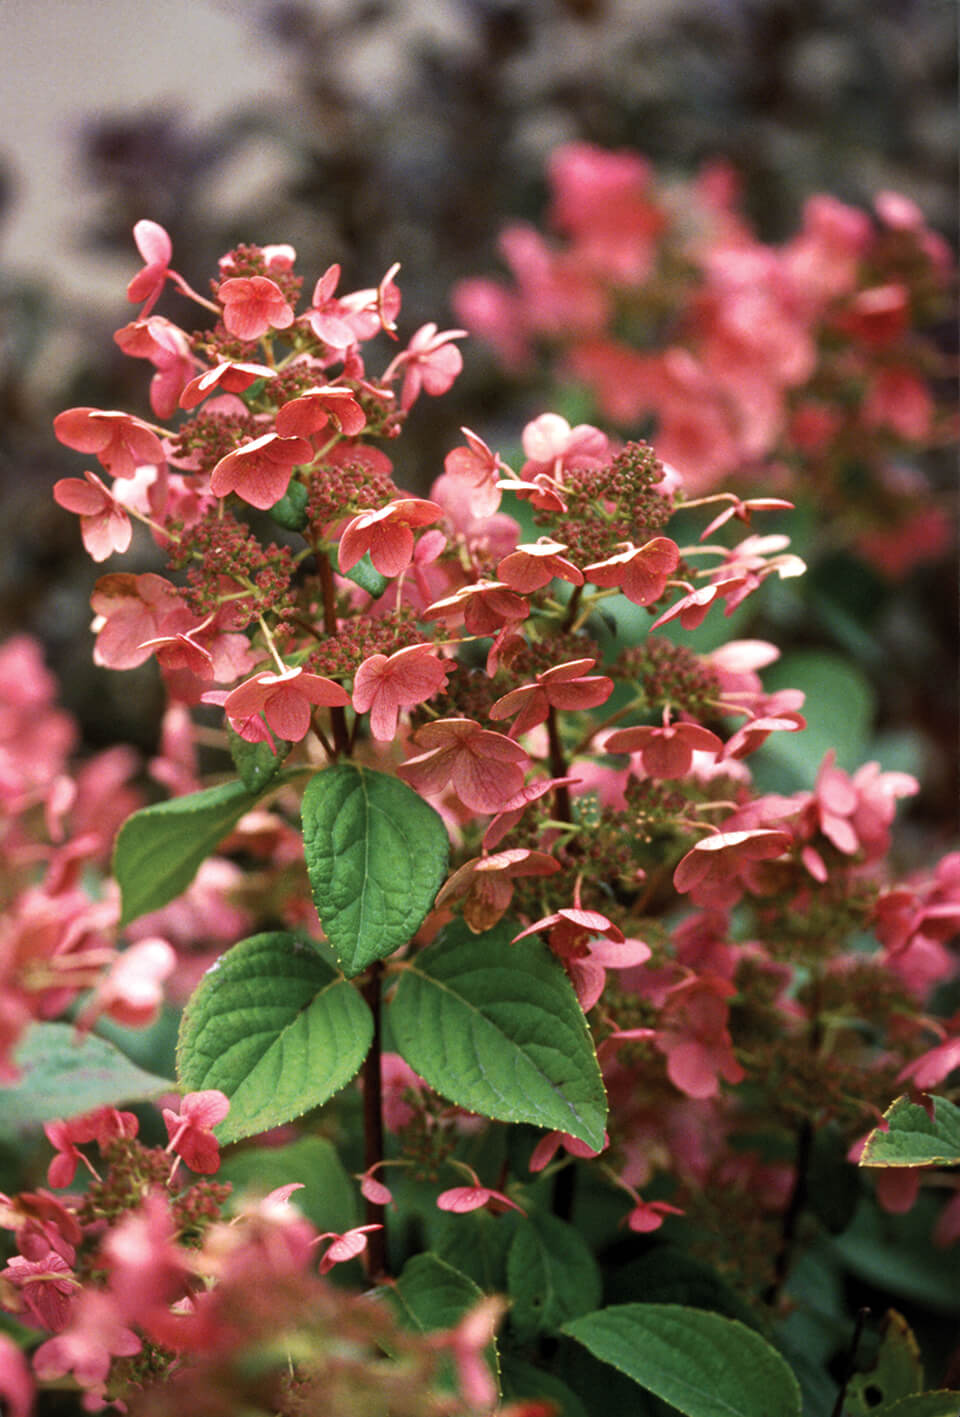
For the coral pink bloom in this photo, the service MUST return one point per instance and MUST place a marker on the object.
(743, 511)
(120, 442)
(877, 316)
(168, 349)
(709, 871)
(485, 769)
(641, 572)
(104, 525)
(384, 686)
(430, 362)
(565, 686)
(932, 1067)
(511, 812)
(695, 1039)
(284, 700)
(552, 446)
(252, 305)
(101, 1125)
(398, 1082)
(548, 1146)
(751, 735)
(231, 377)
(534, 565)
(156, 248)
(346, 1246)
(316, 407)
(260, 471)
(16, 1384)
(327, 316)
(191, 1133)
(647, 1216)
(96, 1334)
(486, 884)
(484, 607)
(132, 991)
(147, 1269)
(386, 534)
(478, 467)
(691, 609)
(462, 1199)
(131, 610)
(666, 751)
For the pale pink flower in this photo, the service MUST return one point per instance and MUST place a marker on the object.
(666, 751)
(548, 1145)
(462, 1199)
(710, 871)
(478, 467)
(317, 407)
(691, 609)
(641, 572)
(120, 442)
(430, 362)
(156, 248)
(533, 565)
(46, 1287)
(285, 700)
(398, 1079)
(387, 534)
(484, 769)
(551, 446)
(346, 1246)
(232, 377)
(484, 607)
(327, 315)
(96, 1333)
(932, 1067)
(191, 1133)
(132, 991)
(147, 1269)
(130, 611)
(260, 471)
(104, 525)
(168, 349)
(383, 686)
(647, 1216)
(486, 884)
(16, 1384)
(693, 1035)
(252, 305)
(565, 686)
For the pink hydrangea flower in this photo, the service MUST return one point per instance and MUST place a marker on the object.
(104, 525)
(346, 1246)
(533, 565)
(120, 442)
(260, 471)
(430, 362)
(484, 769)
(565, 686)
(710, 871)
(479, 468)
(383, 686)
(168, 349)
(191, 1133)
(486, 884)
(285, 700)
(462, 1199)
(317, 407)
(231, 377)
(387, 534)
(46, 1287)
(666, 751)
(156, 248)
(252, 305)
(641, 572)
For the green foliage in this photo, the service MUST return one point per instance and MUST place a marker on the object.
(364, 574)
(431, 1294)
(291, 510)
(376, 855)
(896, 1372)
(257, 763)
(496, 1028)
(328, 1197)
(160, 848)
(552, 1276)
(276, 1029)
(914, 1138)
(702, 1363)
(62, 1077)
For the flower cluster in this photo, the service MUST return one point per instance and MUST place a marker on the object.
(805, 367)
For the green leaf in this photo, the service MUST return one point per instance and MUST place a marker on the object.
(257, 763)
(551, 1275)
(914, 1138)
(376, 855)
(364, 574)
(328, 1197)
(896, 1253)
(62, 1077)
(897, 1370)
(839, 709)
(291, 510)
(431, 1294)
(496, 1028)
(702, 1363)
(273, 1027)
(160, 848)
(922, 1404)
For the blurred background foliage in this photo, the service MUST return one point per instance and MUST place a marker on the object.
(412, 132)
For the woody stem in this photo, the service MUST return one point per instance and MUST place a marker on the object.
(375, 1255)
(558, 767)
(338, 719)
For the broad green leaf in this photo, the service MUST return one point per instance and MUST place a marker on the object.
(895, 1253)
(276, 1029)
(552, 1275)
(921, 1404)
(431, 1294)
(62, 1077)
(897, 1370)
(328, 1197)
(496, 1028)
(913, 1138)
(376, 855)
(257, 763)
(702, 1363)
(291, 510)
(160, 848)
